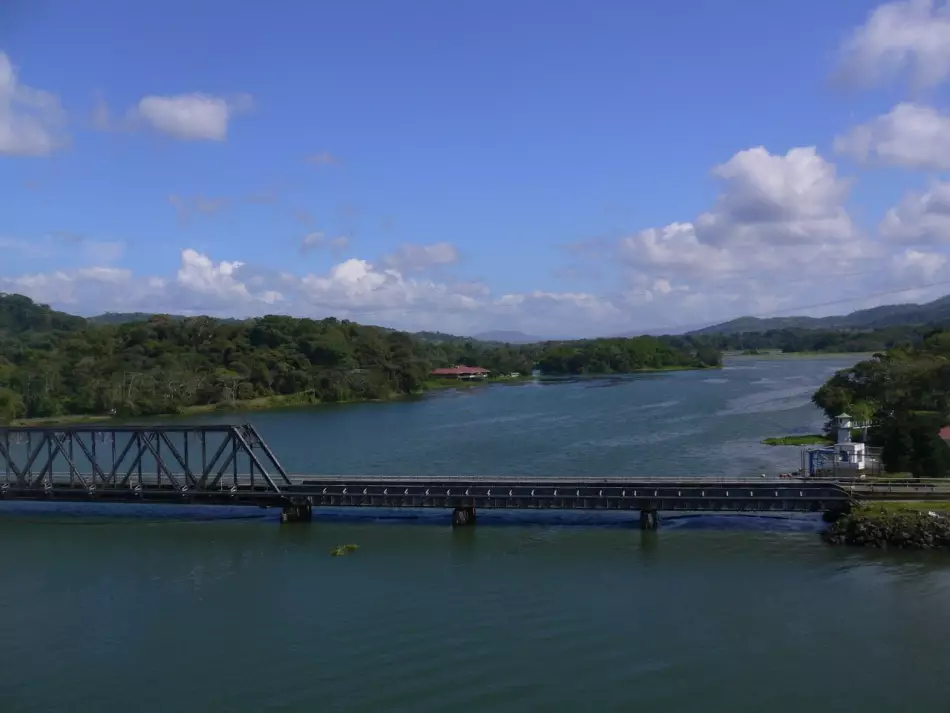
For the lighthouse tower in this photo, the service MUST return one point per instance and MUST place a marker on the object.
(847, 453)
(843, 424)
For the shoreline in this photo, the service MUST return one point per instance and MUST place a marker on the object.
(278, 402)
(796, 355)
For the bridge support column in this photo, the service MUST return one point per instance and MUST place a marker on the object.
(649, 520)
(296, 512)
(462, 517)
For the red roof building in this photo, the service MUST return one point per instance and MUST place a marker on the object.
(461, 372)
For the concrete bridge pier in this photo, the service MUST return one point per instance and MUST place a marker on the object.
(462, 517)
(296, 512)
(649, 520)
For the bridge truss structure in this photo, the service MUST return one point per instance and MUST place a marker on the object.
(176, 462)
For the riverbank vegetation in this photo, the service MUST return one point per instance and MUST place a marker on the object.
(54, 365)
(905, 395)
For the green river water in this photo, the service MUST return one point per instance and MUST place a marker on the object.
(159, 610)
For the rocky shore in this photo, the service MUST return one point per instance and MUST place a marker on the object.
(876, 526)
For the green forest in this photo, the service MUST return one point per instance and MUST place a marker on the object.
(54, 364)
(797, 340)
(610, 356)
(905, 393)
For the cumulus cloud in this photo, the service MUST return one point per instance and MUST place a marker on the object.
(909, 135)
(921, 218)
(412, 257)
(773, 211)
(374, 293)
(777, 240)
(191, 117)
(920, 263)
(31, 120)
(906, 37)
(352, 289)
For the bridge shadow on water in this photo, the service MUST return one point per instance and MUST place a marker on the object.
(92, 513)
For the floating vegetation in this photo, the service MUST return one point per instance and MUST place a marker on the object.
(814, 439)
(343, 550)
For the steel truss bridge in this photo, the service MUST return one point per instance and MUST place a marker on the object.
(232, 465)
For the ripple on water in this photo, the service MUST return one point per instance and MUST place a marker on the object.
(782, 399)
(643, 438)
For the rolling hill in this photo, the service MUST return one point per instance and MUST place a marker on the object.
(19, 314)
(908, 314)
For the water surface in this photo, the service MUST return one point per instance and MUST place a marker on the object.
(227, 611)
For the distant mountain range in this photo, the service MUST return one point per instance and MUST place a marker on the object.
(18, 313)
(899, 315)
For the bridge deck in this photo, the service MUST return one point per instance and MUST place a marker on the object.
(603, 493)
(231, 464)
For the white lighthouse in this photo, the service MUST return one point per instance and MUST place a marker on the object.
(847, 453)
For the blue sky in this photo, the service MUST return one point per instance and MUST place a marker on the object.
(545, 166)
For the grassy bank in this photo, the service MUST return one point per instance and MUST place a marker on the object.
(813, 439)
(903, 506)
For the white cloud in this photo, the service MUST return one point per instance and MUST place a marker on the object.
(778, 200)
(921, 218)
(778, 240)
(353, 289)
(191, 117)
(31, 120)
(375, 294)
(909, 36)
(417, 258)
(774, 212)
(677, 249)
(910, 135)
(919, 263)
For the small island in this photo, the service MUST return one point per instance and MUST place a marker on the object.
(813, 439)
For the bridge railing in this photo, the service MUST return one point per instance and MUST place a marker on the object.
(548, 479)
